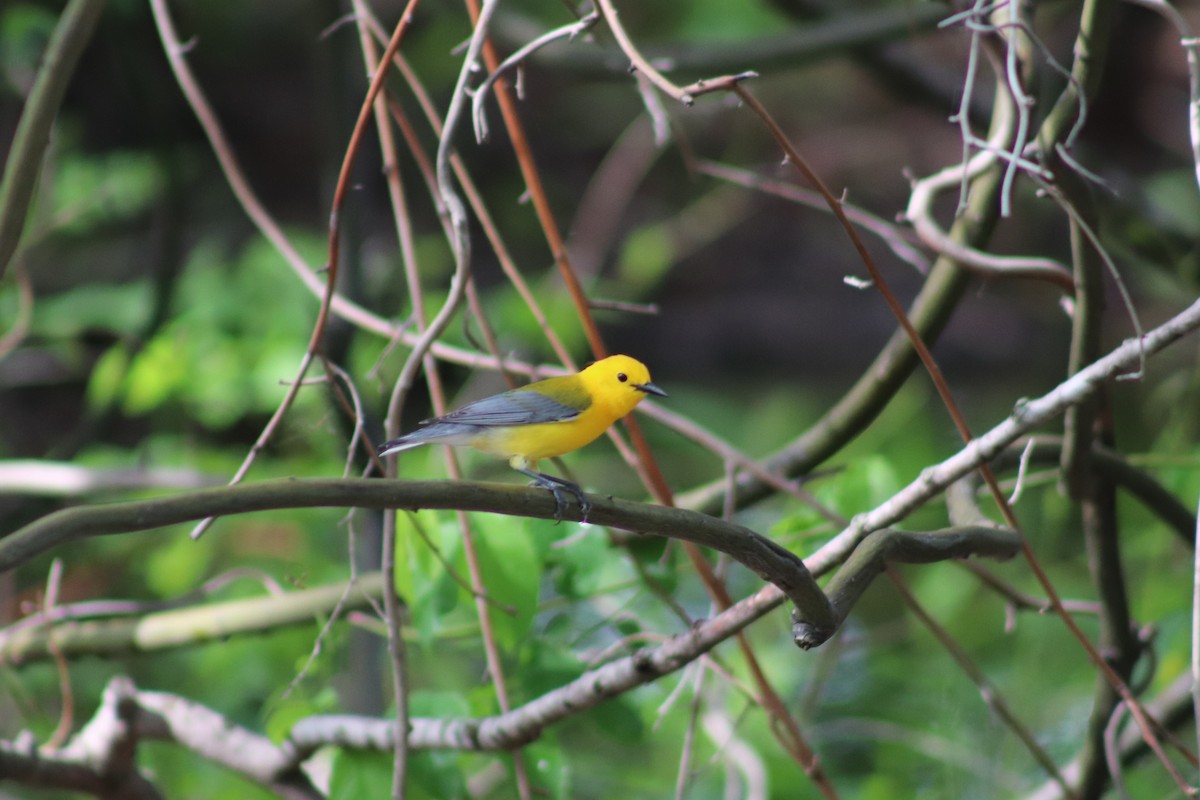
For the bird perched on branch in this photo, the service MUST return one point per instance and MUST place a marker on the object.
(542, 420)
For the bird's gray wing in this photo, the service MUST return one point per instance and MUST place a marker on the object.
(516, 407)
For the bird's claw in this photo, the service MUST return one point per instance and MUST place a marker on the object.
(556, 486)
(585, 505)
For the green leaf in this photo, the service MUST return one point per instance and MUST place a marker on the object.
(24, 31)
(433, 595)
(580, 565)
(548, 767)
(357, 774)
(108, 376)
(178, 566)
(647, 255)
(89, 190)
(157, 373)
(511, 573)
(285, 713)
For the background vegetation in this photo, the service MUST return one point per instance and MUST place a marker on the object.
(182, 182)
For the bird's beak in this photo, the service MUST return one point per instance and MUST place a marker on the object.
(650, 388)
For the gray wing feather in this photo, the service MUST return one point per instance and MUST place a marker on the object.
(516, 407)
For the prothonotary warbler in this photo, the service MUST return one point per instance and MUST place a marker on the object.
(542, 420)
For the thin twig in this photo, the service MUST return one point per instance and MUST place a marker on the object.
(925, 190)
(895, 237)
(13, 337)
(479, 95)
(638, 62)
(1191, 48)
(393, 605)
(1196, 630)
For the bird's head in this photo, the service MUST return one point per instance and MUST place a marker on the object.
(619, 382)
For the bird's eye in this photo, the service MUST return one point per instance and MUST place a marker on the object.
(622, 377)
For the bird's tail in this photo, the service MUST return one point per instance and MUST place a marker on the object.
(401, 443)
(443, 432)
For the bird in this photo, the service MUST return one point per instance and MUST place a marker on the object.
(543, 419)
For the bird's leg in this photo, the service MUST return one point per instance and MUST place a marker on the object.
(556, 487)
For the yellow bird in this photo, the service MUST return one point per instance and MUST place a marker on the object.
(542, 420)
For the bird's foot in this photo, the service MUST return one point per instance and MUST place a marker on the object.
(558, 487)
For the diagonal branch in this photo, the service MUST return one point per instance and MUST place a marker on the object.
(18, 179)
(1028, 415)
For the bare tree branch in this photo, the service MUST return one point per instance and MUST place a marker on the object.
(761, 555)
(1028, 415)
(182, 627)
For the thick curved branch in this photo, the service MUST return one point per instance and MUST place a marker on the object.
(890, 546)
(767, 559)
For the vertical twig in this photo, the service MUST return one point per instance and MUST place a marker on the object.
(1196, 629)
(446, 167)
(1015, 58)
(393, 607)
(1191, 48)
(460, 239)
(66, 719)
